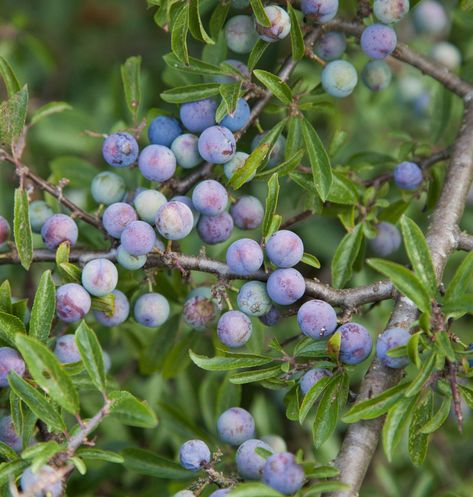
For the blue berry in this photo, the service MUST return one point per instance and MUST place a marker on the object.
(8, 434)
(107, 188)
(276, 443)
(138, 238)
(117, 217)
(253, 299)
(234, 329)
(157, 163)
(339, 78)
(199, 115)
(30, 480)
(408, 175)
(163, 130)
(272, 317)
(331, 46)
(10, 360)
(240, 34)
(147, 204)
(250, 464)
(280, 24)
(244, 257)
(277, 153)
(235, 426)
(40, 212)
(57, 229)
(239, 66)
(430, 17)
(217, 145)
(66, 350)
(121, 310)
(215, 229)
(151, 309)
(188, 201)
(390, 11)
(120, 149)
(186, 150)
(210, 197)
(312, 377)
(285, 286)
(174, 220)
(284, 248)
(128, 261)
(387, 239)
(282, 473)
(247, 212)
(317, 319)
(237, 162)
(99, 277)
(194, 454)
(378, 41)
(72, 302)
(391, 339)
(356, 343)
(240, 117)
(321, 11)
(376, 75)
(199, 312)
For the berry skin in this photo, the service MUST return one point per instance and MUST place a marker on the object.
(356, 343)
(240, 34)
(128, 261)
(277, 153)
(317, 319)
(107, 188)
(282, 473)
(235, 426)
(272, 317)
(29, 479)
(284, 248)
(198, 116)
(390, 339)
(186, 150)
(312, 377)
(447, 54)
(221, 492)
(120, 149)
(147, 204)
(390, 11)
(138, 238)
(280, 24)
(276, 442)
(247, 212)
(163, 130)
(240, 66)
(244, 257)
(57, 229)
(10, 360)
(40, 211)
(174, 220)
(339, 78)
(250, 464)
(194, 454)
(387, 239)
(234, 329)
(151, 310)
(430, 17)
(8, 434)
(157, 163)
(66, 350)
(215, 229)
(321, 11)
(184, 493)
(376, 75)
(408, 175)
(99, 277)
(4, 230)
(121, 311)
(378, 41)
(188, 201)
(331, 46)
(72, 302)
(253, 299)
(217, 145)
(240, 117)
(285, 286)
(236, 163)
(199, 312)
(200, 291)
(210, 197)
(117, 217)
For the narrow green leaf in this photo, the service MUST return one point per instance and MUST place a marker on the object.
(422, 376)
(459, 307)
(5, 297)
(439, 418)
(271, 203)
(326, 486)
(13, 112)
(294, 136)
(22, 228)
(195, 66)
(284, 168)
(130, 72)
(322, 472)
(310, 398)
(221, 363)
(179, 30)
(418, 442)
(257, 53)
(253, 490)
(345, 256)
(44, 307)
(443, 343)
(260, 14)
(190, 93)
(413, 349)
(92, 355)
(11, 470)
(343, 190)
(195, 23)
(467, 394)
(92, 454)
(310, 260)
(10, 326)
(461, 281)
(9, 78)
(218, 18)
(148, 463)
(7, 453)
(49, 109)
(297, 40)
(255, 375)
(275, 85)
(130, 411)
(230, 93)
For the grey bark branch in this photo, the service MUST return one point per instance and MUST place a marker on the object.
(465, 242)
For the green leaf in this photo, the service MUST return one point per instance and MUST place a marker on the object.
(70, 272)
(221, 363)
(49, 109)
(260, 14)
(9, 78)
(326, 486)
(342, 191)
(284, 168)
(99, 455)
(418, 442)
(461, 281)
(218, 18)
(22, 228)
(11, 470)
(294, 137)
(195, 23)
(130, 72)
(345, 256)
(439, 418)
(48, 372)
(419, 255)
(310, 260)
(7, 453)
(130, 411)
(405, 281)
(256, 53)
(459, 307)
(44, 307)
(92, 355)
(195, 66)
(467, 394)
(323, 472)
(190, 93)
(466, 5)
(253, 490)
(413, 349)
(319, 160)
(255, 375)
(147, 463)
(230, 93)
(10, 326)
(444, 345)
(37, 402)
(41, 452)
(13, 112)
(297, 40)
(311, 397)
(5, 297)
(271, 203)
(179, 30)
(422, 376)
(275, 85)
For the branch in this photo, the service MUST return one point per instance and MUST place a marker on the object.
(465, 242)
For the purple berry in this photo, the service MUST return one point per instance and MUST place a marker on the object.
(378, 41)
(247, 212)
(188, 201)
(99, 277)
(430, 17)
(240, 34)
(194, 454)
(321, 11)
(198, 116)
(4, 230)
(217, 145)
(210, 197)
(117, 217)
(276, 442)
(138, 238)
(120, 149)
(253, 299)
(57, 229)
(199, 312)
(221, 492)
(121, 310)
(390, 11)
(317, 319)
(128, 261)
(282, 473)
(72, 302)
(244, 257)
(66, 350)
(163, 130)
(408, 175)
(356, 343)
(239, 118)
(39, 211)
(186, 150)
(215, 229)
(234, 329)
(239, 66)
(391, 339)
(376, 75)
(272, 317)
(249, 463)
(8, 434)
(331, 46)
(235, 426)
(147, 204)
(157, 163)
(30, 480)
(284, 248)
(10, 360)
(280, 24)
(312, 377)
(174, 220)
(285, 286)
(387, 239)
(151, 310)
